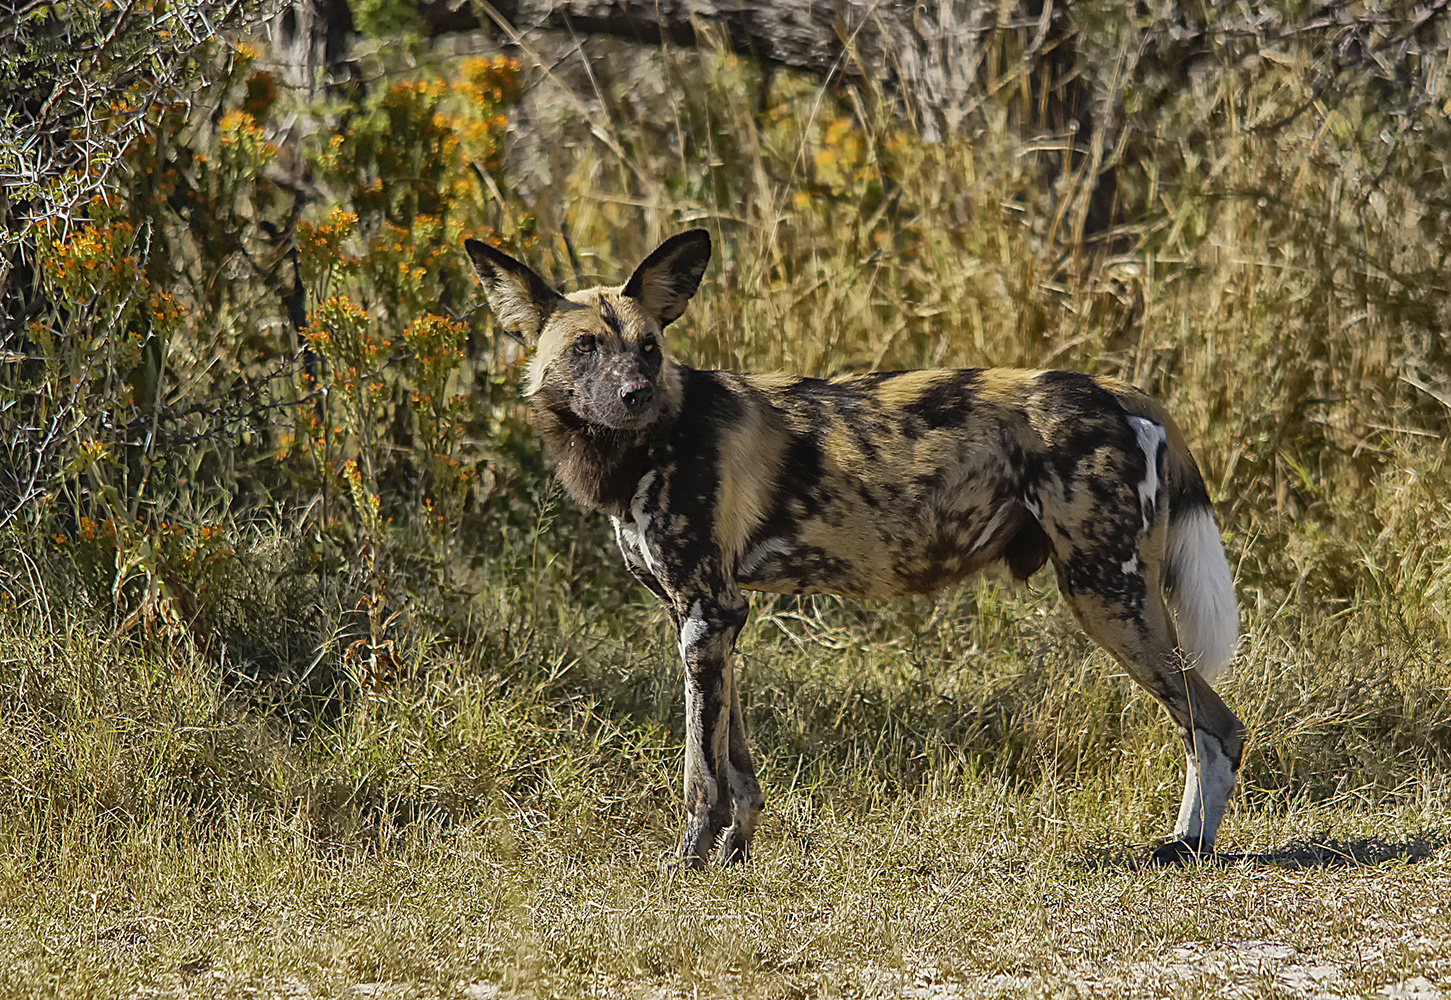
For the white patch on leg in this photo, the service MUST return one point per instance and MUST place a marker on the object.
(1151, 438)
(642, 488)
(698, 779)
(1208, 782)
(628, 539)
(642, 520)
(1191, 807)
(631, 541)
(1203, 598)
(692, 630)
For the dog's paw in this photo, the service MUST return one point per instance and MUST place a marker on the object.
(1179, 852)
(699, 842)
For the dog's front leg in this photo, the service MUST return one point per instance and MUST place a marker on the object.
(720, 781)
(735, 843)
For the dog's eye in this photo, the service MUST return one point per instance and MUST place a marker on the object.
(584, 345)
(648, 346)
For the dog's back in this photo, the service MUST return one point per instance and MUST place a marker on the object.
(892, 483)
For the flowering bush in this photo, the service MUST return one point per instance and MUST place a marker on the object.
(222, 336)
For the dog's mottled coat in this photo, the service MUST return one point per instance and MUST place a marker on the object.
(876, 486)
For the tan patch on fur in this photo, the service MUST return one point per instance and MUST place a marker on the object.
(907, 388)
(858, 540)
(567, 323)
(1005, 385)
(750, 455)
(769, 382)
(841, 450)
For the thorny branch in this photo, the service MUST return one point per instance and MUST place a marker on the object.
(79, 84)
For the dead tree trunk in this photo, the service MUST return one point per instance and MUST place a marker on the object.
(931, 56)
(310, 39)
(940, 61)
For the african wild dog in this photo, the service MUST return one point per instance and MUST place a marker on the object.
(873, 485)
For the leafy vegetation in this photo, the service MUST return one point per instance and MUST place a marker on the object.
(311, 679)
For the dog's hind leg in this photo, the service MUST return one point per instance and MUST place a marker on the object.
(1121, 607)
(1212, 758)
(722, 795)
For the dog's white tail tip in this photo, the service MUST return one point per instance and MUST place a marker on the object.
(1201, 591)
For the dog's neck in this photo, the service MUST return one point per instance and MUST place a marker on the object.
(599, 466)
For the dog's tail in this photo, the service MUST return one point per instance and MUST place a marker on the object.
(1198, 583)
(1195, 573)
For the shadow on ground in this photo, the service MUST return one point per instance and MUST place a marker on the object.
(1309, 853)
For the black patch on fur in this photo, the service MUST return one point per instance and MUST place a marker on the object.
(611, 318)
(1027, 551)
(650, 362)
(802, 468)
(948, 403)
(1086, 418)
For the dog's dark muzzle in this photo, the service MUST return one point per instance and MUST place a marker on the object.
(636, 395)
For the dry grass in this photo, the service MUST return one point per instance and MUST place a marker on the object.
(959, 793)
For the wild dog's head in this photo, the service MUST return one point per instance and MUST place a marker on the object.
(599, 354)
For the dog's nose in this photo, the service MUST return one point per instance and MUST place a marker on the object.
(637, 395)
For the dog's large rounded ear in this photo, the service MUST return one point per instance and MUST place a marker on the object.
(667, 279)
(521, 300)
